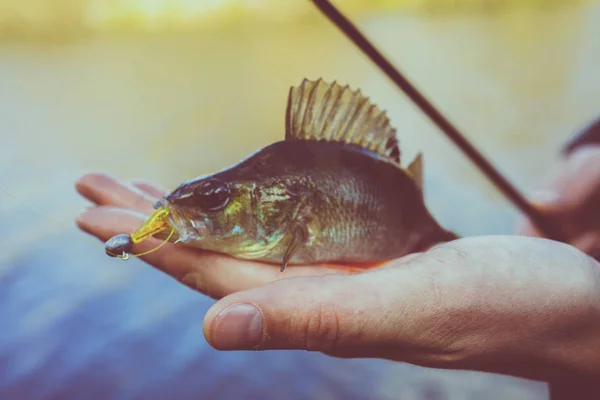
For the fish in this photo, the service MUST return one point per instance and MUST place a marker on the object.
(332, 191)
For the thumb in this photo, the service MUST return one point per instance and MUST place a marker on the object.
(325, 313)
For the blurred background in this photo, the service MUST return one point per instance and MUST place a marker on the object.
(167, 90)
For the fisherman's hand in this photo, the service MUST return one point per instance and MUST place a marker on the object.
(122, 207)
(515, 305)
(571, 194)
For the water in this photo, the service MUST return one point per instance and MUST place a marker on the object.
(74, 323)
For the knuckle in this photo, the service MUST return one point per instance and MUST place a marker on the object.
(319, 327)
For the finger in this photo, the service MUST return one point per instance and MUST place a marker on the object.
(151, 189)
(328, 313)
(524, 227)
(571, 192)
(573, 181)
(590, 244)
(580, 177)
(213, 274)
(102, 189)
(588, 136)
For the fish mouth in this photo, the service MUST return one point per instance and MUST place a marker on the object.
(187, 229)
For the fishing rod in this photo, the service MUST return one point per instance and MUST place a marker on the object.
(543, 222)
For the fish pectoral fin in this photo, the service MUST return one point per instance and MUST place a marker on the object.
(318, 110)
(303, 231)
(297, 240)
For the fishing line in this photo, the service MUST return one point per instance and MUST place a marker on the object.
(541, 221)
(124, 256)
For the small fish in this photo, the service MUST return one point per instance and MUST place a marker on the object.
(333, 191)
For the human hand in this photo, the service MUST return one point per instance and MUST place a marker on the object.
(121, 207)
(515, 305)
(571, 195)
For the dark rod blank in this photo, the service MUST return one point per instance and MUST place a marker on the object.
(541, 221)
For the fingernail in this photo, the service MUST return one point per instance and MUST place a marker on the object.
(238, 327)
(87, 208)
(82, 214)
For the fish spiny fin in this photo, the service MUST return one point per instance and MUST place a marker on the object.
(415, 170)
(318, 110)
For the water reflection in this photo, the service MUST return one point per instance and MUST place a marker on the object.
(75, 324)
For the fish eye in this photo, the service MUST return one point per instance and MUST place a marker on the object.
(212, 194)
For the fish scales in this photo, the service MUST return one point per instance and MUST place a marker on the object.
(361, 201)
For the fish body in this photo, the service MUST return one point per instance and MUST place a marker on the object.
(332, 191)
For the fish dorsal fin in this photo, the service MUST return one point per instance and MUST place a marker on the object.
(415, 170)
(318, 110)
